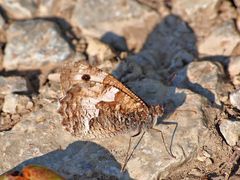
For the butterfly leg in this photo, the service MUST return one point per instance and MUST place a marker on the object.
(168, 151)
(127, 158)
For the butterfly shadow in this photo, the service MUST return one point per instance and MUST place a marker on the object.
(159, 71)
(165, 56)
(80, 160)
(32, 80)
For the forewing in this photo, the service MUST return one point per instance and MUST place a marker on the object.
(96, 104)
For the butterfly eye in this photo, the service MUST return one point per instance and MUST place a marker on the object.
(86, 77)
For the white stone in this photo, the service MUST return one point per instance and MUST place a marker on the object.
(234, 66)
(231, 131)
(235, 98)
(2, 22)
(19, 9)
(10, 103)
(192, 7)
(221, 41)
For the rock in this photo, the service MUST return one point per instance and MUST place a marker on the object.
(233, 66)
(206, 154)
(201, 158)
(208, 161)
(34, 43)
(130, 19)
(10, 103)
(54, 77)
(203, 77)
(192, 9)
(237, 4)
(20, 9)
(61, 9)
(118, 11)
(24, 104)
(42, 130)
(221, 41)
(235, 98)
(195, 172)
(2, 22)
(199, 14)
(14, 103)
(46, 8)
(236, 50)
(13, 84)
(163, 72)
(234, 70)
(231, 131)
(238, 22)
(2, 38)
(227, 10)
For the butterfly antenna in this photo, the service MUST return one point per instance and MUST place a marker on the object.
(129, 157)
(168, 151)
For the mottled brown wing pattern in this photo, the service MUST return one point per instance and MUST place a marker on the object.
(95, 104)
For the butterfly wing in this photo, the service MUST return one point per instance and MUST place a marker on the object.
(95, 104)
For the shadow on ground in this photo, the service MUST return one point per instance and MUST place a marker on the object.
(81, 160)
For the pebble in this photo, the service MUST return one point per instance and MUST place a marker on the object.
(231, 131)
(10, 103)
(235, 99)
(25, 9)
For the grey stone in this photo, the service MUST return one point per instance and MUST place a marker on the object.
(12, 84)
(235, 98)
(231, 131)
(104, 11)
(34, 43)
(20, 9)
(130, 20)
(221, 41)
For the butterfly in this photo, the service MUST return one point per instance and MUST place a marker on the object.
(95, 104)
